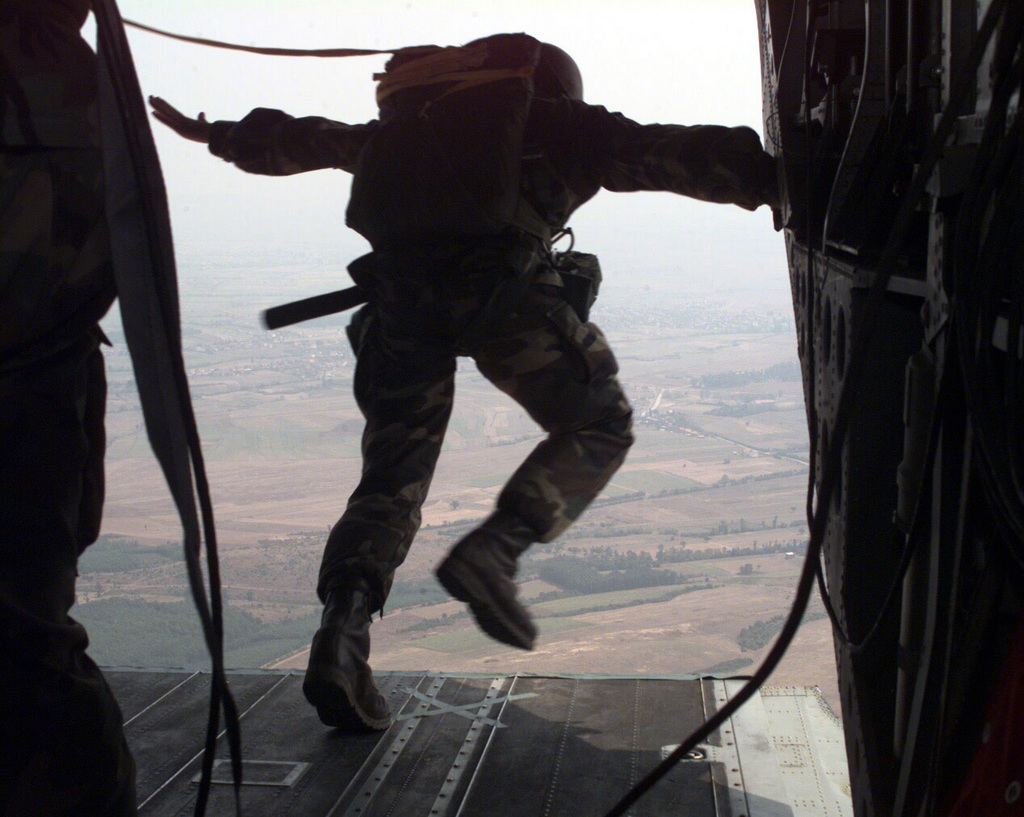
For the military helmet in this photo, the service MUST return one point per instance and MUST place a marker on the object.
(557, 74)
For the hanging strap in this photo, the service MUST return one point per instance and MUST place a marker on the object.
(266, 51)
(458, 64)
(144, 273)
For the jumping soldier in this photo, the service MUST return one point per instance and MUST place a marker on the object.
(479, 157)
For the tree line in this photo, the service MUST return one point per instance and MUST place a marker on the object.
(789, 371)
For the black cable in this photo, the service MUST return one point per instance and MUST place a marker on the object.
(151, 280)
(994, 188)
(855, 370)
(858, 646)
(803, 591)
(863, 333)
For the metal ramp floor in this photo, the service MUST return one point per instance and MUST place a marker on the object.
(478, 746)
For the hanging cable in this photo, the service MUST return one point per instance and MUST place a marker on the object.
(863, 334)
(144, 272)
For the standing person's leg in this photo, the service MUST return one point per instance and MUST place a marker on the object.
(562, 372)
(405, 392)
(62, 747)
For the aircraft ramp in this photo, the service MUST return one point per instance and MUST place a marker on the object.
(479, 746)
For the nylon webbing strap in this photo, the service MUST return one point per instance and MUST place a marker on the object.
(144, 272)
(458, 64)
(318, 306)
(266, 51)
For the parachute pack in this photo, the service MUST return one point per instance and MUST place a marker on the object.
(445, 160)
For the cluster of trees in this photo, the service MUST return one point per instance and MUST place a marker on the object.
(681, 554)
(608, 559)
(789, 371)
(727, 480)
(579, 575)
(760, 633)
(114, 554)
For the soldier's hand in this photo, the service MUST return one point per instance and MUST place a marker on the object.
(198, 130)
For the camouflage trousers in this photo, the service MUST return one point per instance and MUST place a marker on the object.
(62, 748)
(427, 308)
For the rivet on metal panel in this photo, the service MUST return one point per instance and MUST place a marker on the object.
(1013, 792)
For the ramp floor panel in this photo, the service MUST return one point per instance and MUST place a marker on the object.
(473, 746)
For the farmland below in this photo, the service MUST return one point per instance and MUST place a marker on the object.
(685, 563)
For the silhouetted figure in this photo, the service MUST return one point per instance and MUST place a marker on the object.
(478, 159)
(83, 215)
(62, 750)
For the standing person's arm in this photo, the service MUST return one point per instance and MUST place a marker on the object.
(271, 142)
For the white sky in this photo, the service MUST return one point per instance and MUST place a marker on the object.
(688, 62)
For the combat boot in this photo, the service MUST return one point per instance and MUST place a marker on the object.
(479, 570)
(339, 682)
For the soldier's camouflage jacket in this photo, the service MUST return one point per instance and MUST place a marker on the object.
(56, 280)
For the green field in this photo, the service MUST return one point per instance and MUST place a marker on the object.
(596, 601)
(652, 481)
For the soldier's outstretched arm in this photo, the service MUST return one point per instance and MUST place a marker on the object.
(708, 162)
(272, 142)
(713, 163)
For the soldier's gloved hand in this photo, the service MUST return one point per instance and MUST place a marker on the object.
(197, 130)
(770, 185)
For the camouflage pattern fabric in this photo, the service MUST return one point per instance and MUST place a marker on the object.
(63, 750)
(424, 303)
(62, 747)
(56, 277)
(48, 83)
